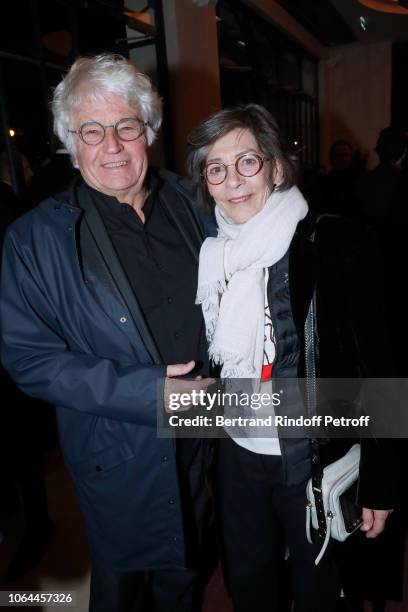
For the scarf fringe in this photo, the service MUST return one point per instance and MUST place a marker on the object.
(205, 292)
(209, 298)
(233, 365)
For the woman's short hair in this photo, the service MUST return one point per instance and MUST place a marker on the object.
(93, 77)
(251, 117)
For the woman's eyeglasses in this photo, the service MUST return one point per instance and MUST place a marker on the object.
(127, 129)
(246, 165)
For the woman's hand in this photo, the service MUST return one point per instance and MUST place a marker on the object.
(374, 521)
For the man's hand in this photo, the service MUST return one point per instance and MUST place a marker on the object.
(174, 385)
(179, 369)
(374, 521)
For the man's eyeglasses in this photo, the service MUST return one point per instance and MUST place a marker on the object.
(127, 129)
(246, 165)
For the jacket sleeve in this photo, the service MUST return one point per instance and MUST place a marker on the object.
(378, 477)
(38, 358)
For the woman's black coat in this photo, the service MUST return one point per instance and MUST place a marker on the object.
(343, 265)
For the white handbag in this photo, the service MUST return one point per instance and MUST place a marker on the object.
(337, 495)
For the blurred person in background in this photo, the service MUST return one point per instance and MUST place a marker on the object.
(334, 194)
(27, 425)
(54, 175)
(381, 194)
(11, 204)
(381, 199)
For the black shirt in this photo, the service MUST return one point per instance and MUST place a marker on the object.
(162, 273)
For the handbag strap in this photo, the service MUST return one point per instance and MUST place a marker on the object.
(311, 394)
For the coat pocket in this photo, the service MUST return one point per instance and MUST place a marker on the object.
(103, 461)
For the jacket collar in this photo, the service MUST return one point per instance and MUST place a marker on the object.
(181, 210)
(303, 266)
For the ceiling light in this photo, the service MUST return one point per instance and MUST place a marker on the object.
(363, 23)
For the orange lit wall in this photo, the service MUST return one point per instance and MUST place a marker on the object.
(355, 97)
(192, 55)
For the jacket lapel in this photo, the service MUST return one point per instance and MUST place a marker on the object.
(114, 274)
(303, 260)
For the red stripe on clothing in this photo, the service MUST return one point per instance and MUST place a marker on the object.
(266, 373)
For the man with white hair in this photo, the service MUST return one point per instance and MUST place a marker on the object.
(97, 307)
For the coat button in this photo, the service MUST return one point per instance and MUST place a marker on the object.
(164, 458)
(171, 501)
(123, 319)
(169, 300)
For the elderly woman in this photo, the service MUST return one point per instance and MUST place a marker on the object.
(256, 280)
(94, 309)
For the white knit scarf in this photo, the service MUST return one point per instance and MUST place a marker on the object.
(231, 280)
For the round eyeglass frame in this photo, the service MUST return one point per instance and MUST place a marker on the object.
(142, 126)
(260, 158)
